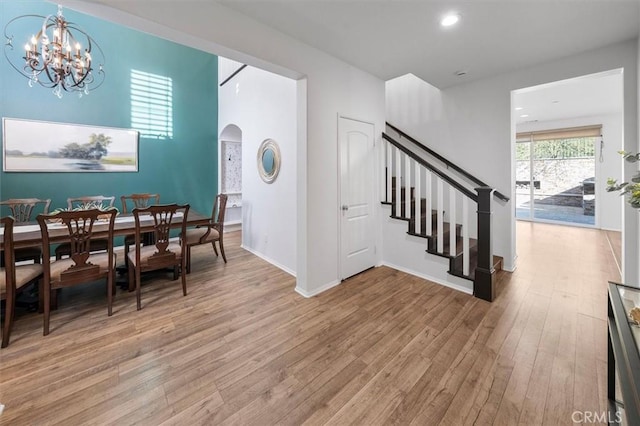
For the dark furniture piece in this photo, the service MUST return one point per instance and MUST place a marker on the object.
(13, 278)
(82, 266)
(99, 202)
(211, 232)
(623, 355)
(22, 210)
(163, 253)
(137, 201)
(125, 224)
(130, 202)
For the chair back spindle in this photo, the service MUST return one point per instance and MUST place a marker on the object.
(23, 208)
(91, 202)
(138, 201)
(99, 202)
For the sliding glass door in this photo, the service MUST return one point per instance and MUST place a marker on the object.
(555, 176)
(523, 179)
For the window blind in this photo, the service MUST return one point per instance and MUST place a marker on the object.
(152, 105)
(567, 133)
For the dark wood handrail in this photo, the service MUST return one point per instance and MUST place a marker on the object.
(431, 167)
(447, 162)
(233, 75)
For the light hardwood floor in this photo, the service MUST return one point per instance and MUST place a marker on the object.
(382, 348)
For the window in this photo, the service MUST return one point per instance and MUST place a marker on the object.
(555, 175)
(152, 105)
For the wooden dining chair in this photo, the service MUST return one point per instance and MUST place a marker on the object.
(78, 227)
(211, 232)
(13, 278)
(140, 201)
(133, 201)
(100, 202)
(22, 210)
(164, 253)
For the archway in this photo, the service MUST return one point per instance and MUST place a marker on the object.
(230, 174)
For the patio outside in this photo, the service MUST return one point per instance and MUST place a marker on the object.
(558, 183)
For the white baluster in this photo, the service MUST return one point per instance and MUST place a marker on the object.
(389, 171)
(418, 202)
(398, 179)
(465, 236)
(407, 186)
(453, 249)
(440, 209)
(428, 194)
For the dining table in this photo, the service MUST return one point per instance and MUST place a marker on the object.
(27, 234)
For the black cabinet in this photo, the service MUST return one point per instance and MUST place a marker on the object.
(624, 355)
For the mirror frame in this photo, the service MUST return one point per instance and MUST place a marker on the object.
(269, 144)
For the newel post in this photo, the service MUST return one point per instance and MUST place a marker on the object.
(484, 285)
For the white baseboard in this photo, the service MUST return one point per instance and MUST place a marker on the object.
(232, 227)
(510, 267)
(324, 288)
(268, 259)
(445, 283)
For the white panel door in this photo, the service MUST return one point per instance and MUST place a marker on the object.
(356, 196)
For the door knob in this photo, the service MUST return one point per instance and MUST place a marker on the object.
(345, 207)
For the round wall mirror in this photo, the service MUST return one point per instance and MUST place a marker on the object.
(268, 160)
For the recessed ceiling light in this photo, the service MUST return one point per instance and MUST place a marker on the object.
(461, 73)
(524, 115)
(519, 108)
(450, 19)
(555, 101)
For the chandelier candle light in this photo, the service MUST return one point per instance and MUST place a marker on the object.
(58, 57)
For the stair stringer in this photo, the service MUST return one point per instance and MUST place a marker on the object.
(407, 253)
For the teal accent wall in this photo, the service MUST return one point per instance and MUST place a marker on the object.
(181, 170)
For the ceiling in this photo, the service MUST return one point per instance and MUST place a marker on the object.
(587, 96)
(390, 38)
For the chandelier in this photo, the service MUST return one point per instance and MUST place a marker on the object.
(60, 56)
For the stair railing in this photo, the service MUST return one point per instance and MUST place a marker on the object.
(409, 176)
(445, 161)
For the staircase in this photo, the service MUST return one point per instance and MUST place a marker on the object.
(435, 206)
(456, 256)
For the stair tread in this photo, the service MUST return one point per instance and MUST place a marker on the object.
(473, 245)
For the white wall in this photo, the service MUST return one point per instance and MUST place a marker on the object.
(637, 233)
(332, 87)
(471, 124)
(608, 204)
(263, 106)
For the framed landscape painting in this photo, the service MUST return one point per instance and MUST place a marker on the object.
(41, 146)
